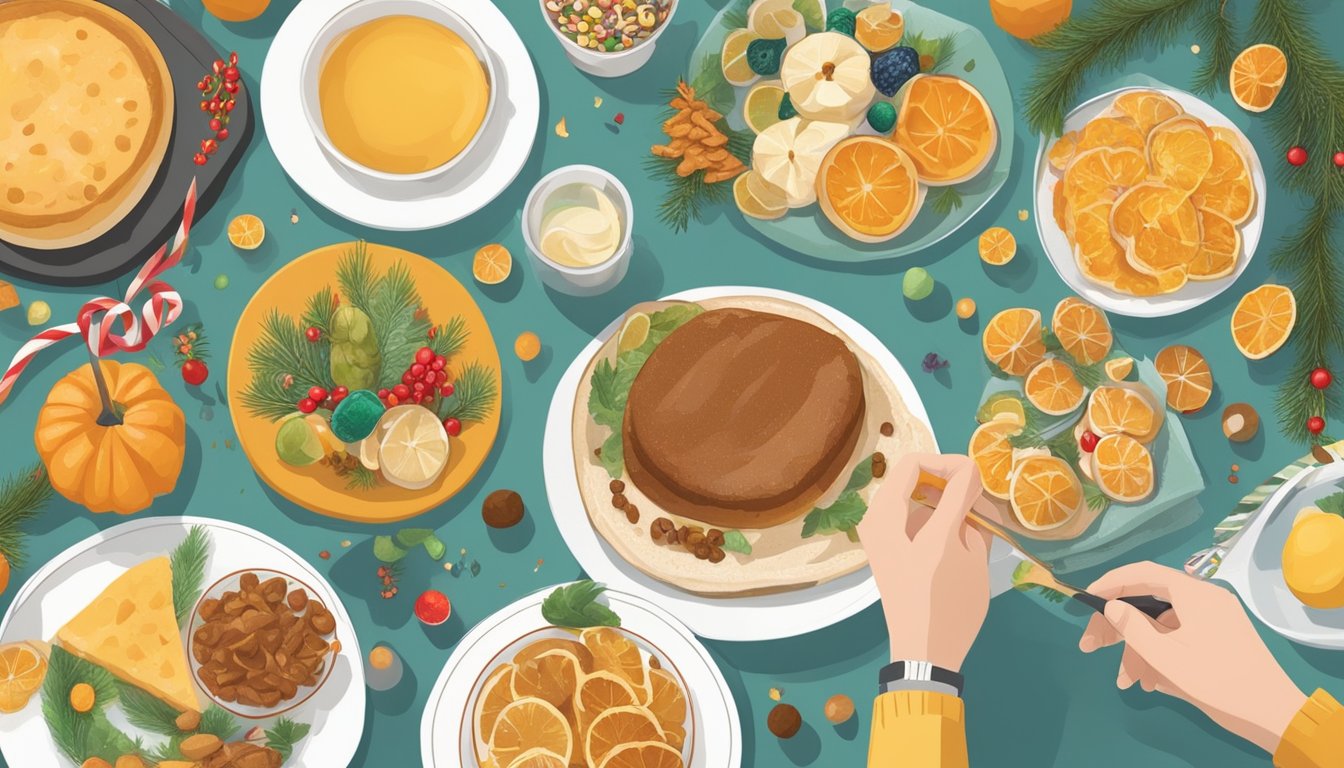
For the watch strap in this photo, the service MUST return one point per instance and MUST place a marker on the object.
(900, 674)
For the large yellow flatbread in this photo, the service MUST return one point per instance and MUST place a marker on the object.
(131, 631)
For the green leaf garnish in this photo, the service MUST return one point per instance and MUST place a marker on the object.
(575, 606)
(735, 541)
(1332, 504)
(840, 517)
(386, 550)
(188, 566)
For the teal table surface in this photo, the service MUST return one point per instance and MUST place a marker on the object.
(1032, 698)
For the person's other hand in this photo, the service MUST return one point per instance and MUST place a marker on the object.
(931, 568)
(1204, 650)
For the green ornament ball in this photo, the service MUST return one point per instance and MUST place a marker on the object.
(917, 284)
(221, 282)
(882, 116)
(356, 416)
(841, 20)
(763, 56)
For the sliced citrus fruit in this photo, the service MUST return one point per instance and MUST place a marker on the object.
(1012, 340)
(1146, 108)
(991, 449)
(1113, 133)
(1119, 368)
(1180, 152)
(1122, 468)
(23, 667)
(528, 724)
(1159, 229)
(614, 652)
(1113, 410)
(415, 449)
(537, 647)
(552, 675)
(492, 264)
(647, 754)
(1002, 405)
(634, 332)
(601, 691)
(758, 198)
(1053, 388)
(761, 107)
(868, 188)
(946, 126)
(667, 702)
(1263, 320)
(1060, 206)
(617, 726)
(1258, 74)
(1100, 175)
(736, 69)
(997, 246)
(1227, 189)
(496, 694)
(246, 231)
(538, 758)
(878, 27)
(776, 19)
(1189, 380)
(1062, 151)
(1045, 492)
(1219, 247)
(1082, 329)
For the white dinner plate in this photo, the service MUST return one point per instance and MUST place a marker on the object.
(745, 618)
(445, 728)
(1060, 252)
(493, 163)
(63, 586)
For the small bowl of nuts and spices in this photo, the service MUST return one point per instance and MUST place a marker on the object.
(608, 38)
(260, 643)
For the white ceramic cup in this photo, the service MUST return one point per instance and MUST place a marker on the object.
(608, 63)
(578, 281)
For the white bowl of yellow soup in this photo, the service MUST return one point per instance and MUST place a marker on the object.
(398, 90)
(577, 223)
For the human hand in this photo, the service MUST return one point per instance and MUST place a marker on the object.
(931, 568)
(1204, 650)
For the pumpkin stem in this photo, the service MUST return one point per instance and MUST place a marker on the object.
(109, 417)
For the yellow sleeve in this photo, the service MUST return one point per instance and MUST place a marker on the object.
(1315, 737)
(917, 729)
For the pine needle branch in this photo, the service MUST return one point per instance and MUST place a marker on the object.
(1216, 25)
(188, 565)
(22, 497)
(474, 393)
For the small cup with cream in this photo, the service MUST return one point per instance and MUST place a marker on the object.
(577, 224)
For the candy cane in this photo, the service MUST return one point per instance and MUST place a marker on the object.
(104, 314)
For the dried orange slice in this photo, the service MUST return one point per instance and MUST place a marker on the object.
(1060, 207)
(1012, 340)
(537, 647)
(495, 695)
(1119, 368)
(878, 27)
(617, 726)
(1100, 175)
(1219, 247)
(648, 754)
(553, 676)
(997, 246)
(946, 127)
(1101, 259)
(868, 188)
(1227, 189)
(758, 198)
(23, 666)
(492, 264)
(1146, 108)
(1189, 380)
(1159, 229)
(1112, 133)
(615, 653)
(1053, 388)
(529, 724)
(991, 449)
(1062, 151)
(246, 232)
(1045, 492)
(1082, 329)
(667, 702)
(1263, 320)
(1122, 468)
(601, 691)
(538, 758)
(1180, 152)
(1114, 410)
(1258, 74)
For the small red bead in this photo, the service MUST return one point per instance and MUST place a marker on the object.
(440, 362)
(324, 554)
(446, 390)
(418, 387)
(620, 118)
(317, 393)
(313, 333)
(307, 405)
(199, 159)
(340, 392)
(407, 378)
(1315, 425)
(1321, 378)
(1088, 441)
(1297, 156)
(222, 134)
(452, 426)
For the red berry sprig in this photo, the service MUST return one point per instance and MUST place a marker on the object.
(1315, 425)
(423, 380)
(388, 576)
(1297, 156)
(219, 90)
(191, 349)
(1339, 159)
(1321, 378)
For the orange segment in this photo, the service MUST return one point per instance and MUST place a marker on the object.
(1116, 410)
(868, 188)
(1227, 189)
(1118, 369)
(1159, 229)
(649, 754)
(1045, 492)
(1263, 320)
(1012, 340)
(1062, 151)
(1219, 247)
(997, 246)
(1146, 108)
(1258, 74)
(1082, 329)
(1189, 380)
(1123, 468)
(1180, 152)
(496, 694)
(22, 669)
(615, 653)
(992, 451)
(492, 264)
(667, 702)
(1060, 207)
(878, 28)
(617, 726)
(246, 232)
(946, 127)
(1053, 388)
(529, 724)
(552, 675)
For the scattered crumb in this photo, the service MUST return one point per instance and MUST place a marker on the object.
(1233, 479)
(561, 129)
(345, 543)
(293, 215)
(538, 568)
(597, 102)
(1236, 467)
(502, 585)
(1022, 215)
(228, 444)
(448, 567)
(1195, 49)
(463, 553)
(776, 694)
(324, 554)
(214, 444)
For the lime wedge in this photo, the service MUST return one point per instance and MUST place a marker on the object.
(296, 443)
(633, 333)
(761, 107)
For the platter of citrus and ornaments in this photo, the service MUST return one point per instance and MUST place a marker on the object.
(371, 395)
(876, 129)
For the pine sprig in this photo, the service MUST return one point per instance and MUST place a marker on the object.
(474, 393)
(283, 351)
(945, 200)
(321, 306)
(1103, 40)
(188, 565)
(82, 735)
(1219, 28)
(687, 197)
(22, 497)
(399, 324)
(450, 338)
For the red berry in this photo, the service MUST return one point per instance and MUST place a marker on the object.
(222, 134)
(382, 393)
(340, 393)
(424, 356)
(1297, 156)
(214, 105)
(401, 391)
(231, 87)
(407, 378)
(418, 398)
(1316, 425)
(230, 73)
(307, 405)
(1088, 441)
(452, 426)
(418, 387)
(313, 333)
(215, 124)
(620, 118)
(437, 364)
(1321, 378)
(446, 390)
(417, 370)
(194, 372)
(205, 106)
(233, 58)
(218, 65)
(228, 107)
(317, 393)
(1339, 159)
(392, 400)
(200, 159)
(432, 607)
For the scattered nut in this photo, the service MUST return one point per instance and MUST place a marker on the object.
(617, 486)
(502, 509)
(887, 429)
(188, 721)
(619, 501)
(1240, 422)
(784, 721)
(632, 514)
(200, 746)
(839, 708)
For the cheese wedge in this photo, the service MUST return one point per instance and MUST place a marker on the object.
(131, 631)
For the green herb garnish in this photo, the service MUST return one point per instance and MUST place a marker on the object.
(575, 606)
(845, 513)
(735, 541)
(1332, 504)
(188, 565)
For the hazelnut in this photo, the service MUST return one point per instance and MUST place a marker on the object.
(839, 708)
(619, 501)
(654, 663)
(715, 537)
(1240, 422)
(617, 486)
(887, 429)
(502, 509)
(632, 514)
(716, 555)
(784, 721)
(879, 469)
(702, 551)
(655, 532)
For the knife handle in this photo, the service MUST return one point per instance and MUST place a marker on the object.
(1152, 607)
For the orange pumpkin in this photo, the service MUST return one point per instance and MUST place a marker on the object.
(113, 459)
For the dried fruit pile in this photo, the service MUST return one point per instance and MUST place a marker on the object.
(696, 140)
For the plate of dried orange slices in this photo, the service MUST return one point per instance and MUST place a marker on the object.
(1151, 202)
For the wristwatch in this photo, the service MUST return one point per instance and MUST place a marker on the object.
(910, 675)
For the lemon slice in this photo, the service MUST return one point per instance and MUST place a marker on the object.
(736, 70)
(414, 451)
(760, 110)
(758, 198)
(634, 332)
(775, 19)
